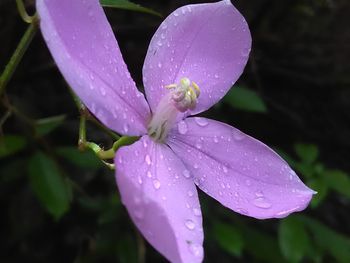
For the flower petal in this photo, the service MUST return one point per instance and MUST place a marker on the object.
(83, 45)
(161, 199)
(238, 170)
(207, 43)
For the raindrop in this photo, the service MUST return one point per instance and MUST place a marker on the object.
(139, 179)
(149, 174)
(156, 184)
(126, 127)
(196, 250)
(176, 14)
(245, 52)
(148, 159)
(182, 127)
(198, 145)
(201, 121)
(216, 140)
(190, 193)
(216, 76)
(262, 202)
(238, 136)
(103, 91)
(190, 224)
(197, 212)
(159, 65)
(186, 174)
(225, 169)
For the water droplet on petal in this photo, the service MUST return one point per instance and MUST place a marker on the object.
(103, 91)
(238, 136)
(196, 250)
(201, 121)
(126, 127)
(262, 202)
(190, 193)
(156, 184)
(148, 159)
(186, 174)
(149, 174)
(190, 224)
(216, 140)
(182, 127)
(197, 212)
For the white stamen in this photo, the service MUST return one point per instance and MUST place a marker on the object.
(182, 97)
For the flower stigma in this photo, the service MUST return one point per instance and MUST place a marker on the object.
(182, 97)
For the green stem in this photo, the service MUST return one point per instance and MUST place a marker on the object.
(18, 54)
(124, 141)
(84, 111)
(23, 13)
(82, 133)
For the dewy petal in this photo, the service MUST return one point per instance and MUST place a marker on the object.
(238, 170)
(84, 47)
(207, 43)
(161, 199)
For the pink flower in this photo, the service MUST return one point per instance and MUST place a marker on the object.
(195, 56)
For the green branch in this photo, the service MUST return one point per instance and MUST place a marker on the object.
(18, 54)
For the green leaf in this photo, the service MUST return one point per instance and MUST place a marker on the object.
(318, 185)
(51, 188)
(306, 169)
(338, 181)
(81, 159)
(330, 241)
(245, 99)
(127, 5)
(262, 246)
(11, 144)
(293, 240)
(286, 157)
(229, 238)
(308, 153)
(47, 125)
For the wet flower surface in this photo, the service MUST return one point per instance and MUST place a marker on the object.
(194, 58)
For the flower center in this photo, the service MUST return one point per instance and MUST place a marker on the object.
(182, 97)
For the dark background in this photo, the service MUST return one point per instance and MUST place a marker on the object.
(299, 67)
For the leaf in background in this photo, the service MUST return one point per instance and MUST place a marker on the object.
(334, 243)
(307, 152)
(52, 190)
(81, 159)
(245, 99)
(11, 144)
(47, 125)
(318, 185)
(124, 4)
(293, 239)
(286, 157)
(229, 238)
(262, 246)
(338, 181)
(306, 169)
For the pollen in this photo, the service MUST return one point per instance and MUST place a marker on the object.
(184, 94)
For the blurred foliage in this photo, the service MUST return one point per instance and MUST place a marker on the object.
(245, 99)
(60, 204)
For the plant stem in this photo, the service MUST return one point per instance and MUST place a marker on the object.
(23, 13)
(18, 54)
